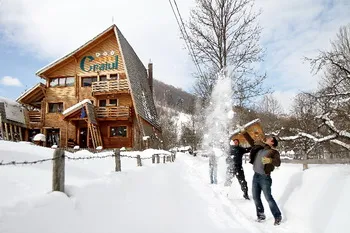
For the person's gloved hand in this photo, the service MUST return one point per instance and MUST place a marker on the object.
(266, 160)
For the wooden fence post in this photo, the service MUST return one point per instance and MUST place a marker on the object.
(163, 158)
(173, 156)
(118, 165)
(158, 158)
(58, 170)
(139, 163)
(305, 165)
(153, 158)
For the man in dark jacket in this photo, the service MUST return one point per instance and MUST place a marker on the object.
(234, 168)
(265, 158)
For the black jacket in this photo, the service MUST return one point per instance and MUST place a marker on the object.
(236, 153)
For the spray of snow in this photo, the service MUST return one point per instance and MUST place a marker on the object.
(219, 116)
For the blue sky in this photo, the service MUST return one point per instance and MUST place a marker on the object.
(33, 36)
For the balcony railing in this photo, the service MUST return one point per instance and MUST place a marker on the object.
(113, 112)
(34, 116)
(110, 86)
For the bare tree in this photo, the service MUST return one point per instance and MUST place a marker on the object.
(270, 104)
(225, 33)
(323, 118)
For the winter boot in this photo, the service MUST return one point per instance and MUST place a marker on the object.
(278, 221)
(246, 196)
(261, 217)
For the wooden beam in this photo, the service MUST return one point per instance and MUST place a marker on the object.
(2, 129)
(20, 133)
(11, 132)
(66, 143)
(6, 131)
(88, 136)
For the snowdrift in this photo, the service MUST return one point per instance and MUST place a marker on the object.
(172, 197)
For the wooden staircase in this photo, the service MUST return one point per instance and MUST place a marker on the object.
(93, 126)
(95, 134)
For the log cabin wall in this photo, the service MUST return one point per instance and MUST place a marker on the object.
(137, 139)
(116, 142)
(76, 68)
(53, 120)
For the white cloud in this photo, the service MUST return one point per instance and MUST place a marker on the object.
(51, 29)
(294, 30)
(10, 81)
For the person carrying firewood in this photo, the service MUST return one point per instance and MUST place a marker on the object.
(265, 158)
(235, 168)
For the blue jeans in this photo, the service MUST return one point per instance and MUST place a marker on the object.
(263, 183)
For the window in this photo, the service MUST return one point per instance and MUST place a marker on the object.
(102, 103)
(55, 107)
(103, 77)
(87, 81)
(119, 131)
(70, 81)
(54, 82)
(62, 82)
(113, 102)
(113, 76)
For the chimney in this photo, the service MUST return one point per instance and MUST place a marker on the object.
(150, 76)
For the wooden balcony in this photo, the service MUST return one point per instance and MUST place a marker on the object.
(34, 116)
(108, 87)
(35, 119)
(120, 112)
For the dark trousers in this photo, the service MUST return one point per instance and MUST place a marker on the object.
(263, 183)
(239, 173)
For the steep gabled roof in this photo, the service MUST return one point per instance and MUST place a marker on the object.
(137, 75)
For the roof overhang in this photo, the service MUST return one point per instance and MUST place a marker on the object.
(33, 96)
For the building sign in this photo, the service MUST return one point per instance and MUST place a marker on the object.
(87, 64)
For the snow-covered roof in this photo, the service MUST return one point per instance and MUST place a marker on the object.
(76, 106)
(8, 101)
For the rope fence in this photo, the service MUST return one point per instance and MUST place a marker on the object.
(59, 158)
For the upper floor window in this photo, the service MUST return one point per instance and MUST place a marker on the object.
(103, 77)
(113, 102)
(102, 103)
(55, 107)
(87, 81)
(62, 82)
(113, 76)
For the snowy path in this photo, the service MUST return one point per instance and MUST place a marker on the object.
(233, 203)
(172, 198)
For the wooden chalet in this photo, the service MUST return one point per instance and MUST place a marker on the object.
(98, 95)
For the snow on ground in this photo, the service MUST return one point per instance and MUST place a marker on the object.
(171, 197)
(315, 200)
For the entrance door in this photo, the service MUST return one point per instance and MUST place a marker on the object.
(83, 137)
(52, 137)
